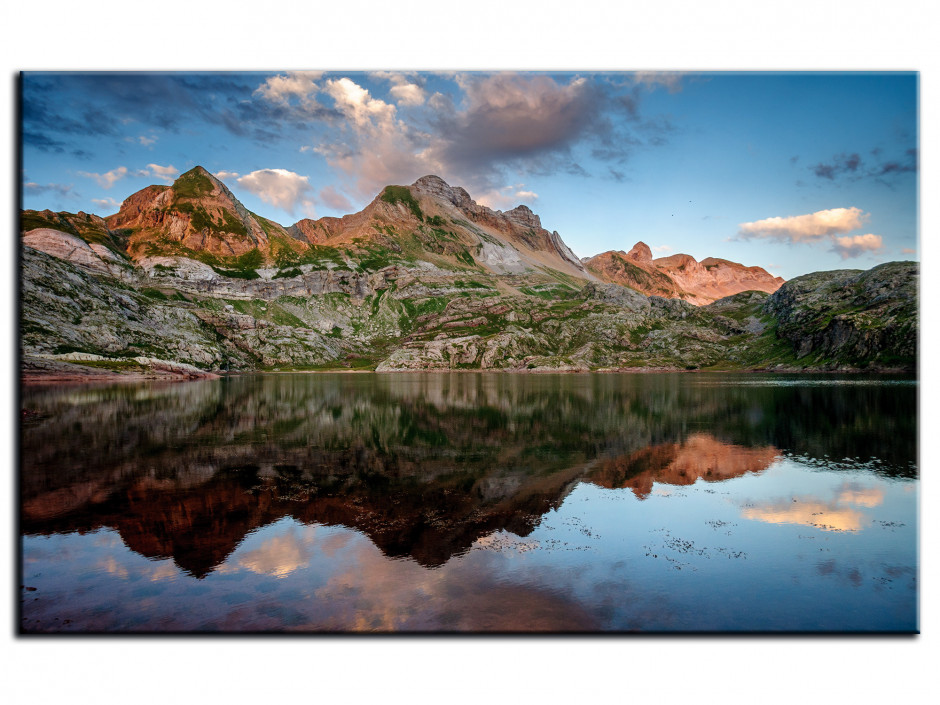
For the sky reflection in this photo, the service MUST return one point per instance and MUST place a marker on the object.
(505, 505)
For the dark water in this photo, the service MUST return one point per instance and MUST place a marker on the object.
(472, 502)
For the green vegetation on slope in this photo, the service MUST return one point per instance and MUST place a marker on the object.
(193, 184)
(402, 194)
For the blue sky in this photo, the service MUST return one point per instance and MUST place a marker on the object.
(794, 172)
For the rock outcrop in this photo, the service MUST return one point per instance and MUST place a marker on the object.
(680, 276)
(94, 256)
(850, 316)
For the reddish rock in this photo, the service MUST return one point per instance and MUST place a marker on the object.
(680, 276)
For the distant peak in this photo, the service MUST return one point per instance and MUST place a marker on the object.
(641, 252)
(431, 182)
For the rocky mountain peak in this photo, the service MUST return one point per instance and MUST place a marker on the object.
(680, 276)
(641, 252)
(437, 187)
(198, 182)
(524, 216)
(198, 211)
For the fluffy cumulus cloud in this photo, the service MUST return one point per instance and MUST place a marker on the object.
(378, 148)
(299, 85)
(281, 188)
(490, 128)
(358, 105)
(406, 90)
(109, 178)
(226, 175)
(832, 225)
(805, 228)
(855, 245)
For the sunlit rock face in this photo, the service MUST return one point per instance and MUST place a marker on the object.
(680, 276)
(198, 211)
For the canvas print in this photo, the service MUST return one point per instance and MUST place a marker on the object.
(460, 352)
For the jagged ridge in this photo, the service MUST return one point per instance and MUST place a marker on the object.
(680, 276)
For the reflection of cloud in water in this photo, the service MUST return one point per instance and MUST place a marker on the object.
(165, 570)
(281, 555)
(112, 567)
(335, 542)
(377, 594)
(835, 515)
(861, 496)
(823, 516)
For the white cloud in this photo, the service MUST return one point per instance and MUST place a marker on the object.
(296, 84)
(379, 148)
(403, 90)
(507, 197)
(106, 203)
(856, 245)
(356, 104)
(146, 141)
(805, 228)
(108, 179)
(281, 188)
(223, 175)
(662, 248)
(164, 173)
(408, 94)
(908, 251)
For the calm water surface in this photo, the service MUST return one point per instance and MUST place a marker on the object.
(477, 502)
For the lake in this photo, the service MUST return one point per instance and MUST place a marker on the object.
(696, 502)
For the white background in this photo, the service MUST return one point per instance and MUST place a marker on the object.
(588, 34)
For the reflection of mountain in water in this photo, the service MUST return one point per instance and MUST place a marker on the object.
(700, 456)
(424, 464)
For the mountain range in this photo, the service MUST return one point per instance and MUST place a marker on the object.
(185, 279)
